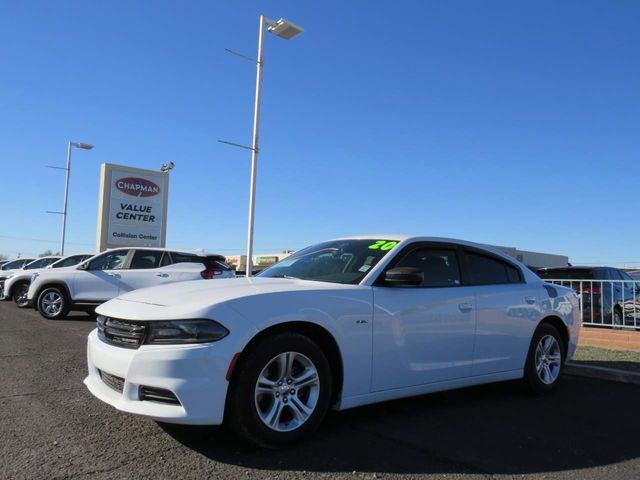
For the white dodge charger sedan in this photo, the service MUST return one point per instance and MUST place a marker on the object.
(339, 324)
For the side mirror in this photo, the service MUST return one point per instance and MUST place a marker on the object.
(83, 266)
(404, 277)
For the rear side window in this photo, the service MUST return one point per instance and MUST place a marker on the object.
(145, 259)
(185, 257)
(485, 270)
(211, 261)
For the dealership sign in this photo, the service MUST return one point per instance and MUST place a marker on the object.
(132, 207)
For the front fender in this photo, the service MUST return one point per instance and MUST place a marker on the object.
(346, 313)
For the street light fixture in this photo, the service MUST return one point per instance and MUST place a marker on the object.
(166, 167)
(287, 30)
(283, 28)
(83, 146)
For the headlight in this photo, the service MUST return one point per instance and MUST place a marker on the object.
(170, 332)
(34, 276)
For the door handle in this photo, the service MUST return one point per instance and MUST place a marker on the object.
(115, 275)
(530, 300)
(162, 274)
(465, 307)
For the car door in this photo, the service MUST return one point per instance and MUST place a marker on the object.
(423, 334)
(507, 312)
(100, 280)
(145, 270)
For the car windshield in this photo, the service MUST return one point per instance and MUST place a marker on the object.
(338, 261)
(13, 264)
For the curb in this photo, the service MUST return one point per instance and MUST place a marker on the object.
(602, 373)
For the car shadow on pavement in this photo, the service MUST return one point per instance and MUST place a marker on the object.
(493, 429)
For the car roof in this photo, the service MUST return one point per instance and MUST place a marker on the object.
(404, 238)
(200, 253)
(48, 256)
(576, 267)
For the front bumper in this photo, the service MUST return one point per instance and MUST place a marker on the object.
(195, 374)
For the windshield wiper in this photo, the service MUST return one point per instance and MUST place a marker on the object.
(285, 276)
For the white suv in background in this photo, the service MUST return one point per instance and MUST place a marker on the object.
(20, 265)
(114, 272)
(16, 286)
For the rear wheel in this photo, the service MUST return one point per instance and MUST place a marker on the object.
(19, 294)
(53, 303)
(545, 361)
(281, 391)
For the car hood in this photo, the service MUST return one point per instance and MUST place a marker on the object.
(217, 291)
(175, 299)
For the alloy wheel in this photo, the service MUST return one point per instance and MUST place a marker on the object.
(51, 303)
(287, 391)
(20, 296)
(548, 359)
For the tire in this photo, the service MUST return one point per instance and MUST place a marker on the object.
(293, 413)
(53, 303)
(19, 295)
(545, 360)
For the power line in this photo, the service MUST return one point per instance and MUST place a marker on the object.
(41, 240)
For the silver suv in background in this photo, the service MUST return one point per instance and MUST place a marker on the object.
(14, 266)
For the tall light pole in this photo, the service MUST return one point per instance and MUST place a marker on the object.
(84, 146)
(283, 29)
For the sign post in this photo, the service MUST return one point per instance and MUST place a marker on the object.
(132, 208)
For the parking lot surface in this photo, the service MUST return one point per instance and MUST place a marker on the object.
(51, 427)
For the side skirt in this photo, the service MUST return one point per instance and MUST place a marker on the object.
(384, 395)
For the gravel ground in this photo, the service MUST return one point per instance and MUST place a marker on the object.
(603, 357)
(52, 428)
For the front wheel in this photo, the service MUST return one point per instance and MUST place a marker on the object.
(545, 360)
(53, 303)
(281, 391)
(20, 294)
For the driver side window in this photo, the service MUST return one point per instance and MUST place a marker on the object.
(439, 266)
(109, 261)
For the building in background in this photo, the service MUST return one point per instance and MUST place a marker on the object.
(536, 260)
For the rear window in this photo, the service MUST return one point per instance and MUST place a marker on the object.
(568, 274)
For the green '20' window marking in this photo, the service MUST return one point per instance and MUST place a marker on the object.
(383, 245)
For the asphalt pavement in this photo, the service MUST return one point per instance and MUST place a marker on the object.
(52, 428)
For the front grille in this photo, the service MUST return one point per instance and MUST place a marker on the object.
(111, 381)
(122, 333)
(157, 395)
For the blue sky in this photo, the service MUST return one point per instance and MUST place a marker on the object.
(511, 123)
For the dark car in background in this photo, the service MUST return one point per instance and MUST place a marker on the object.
(608, 294)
